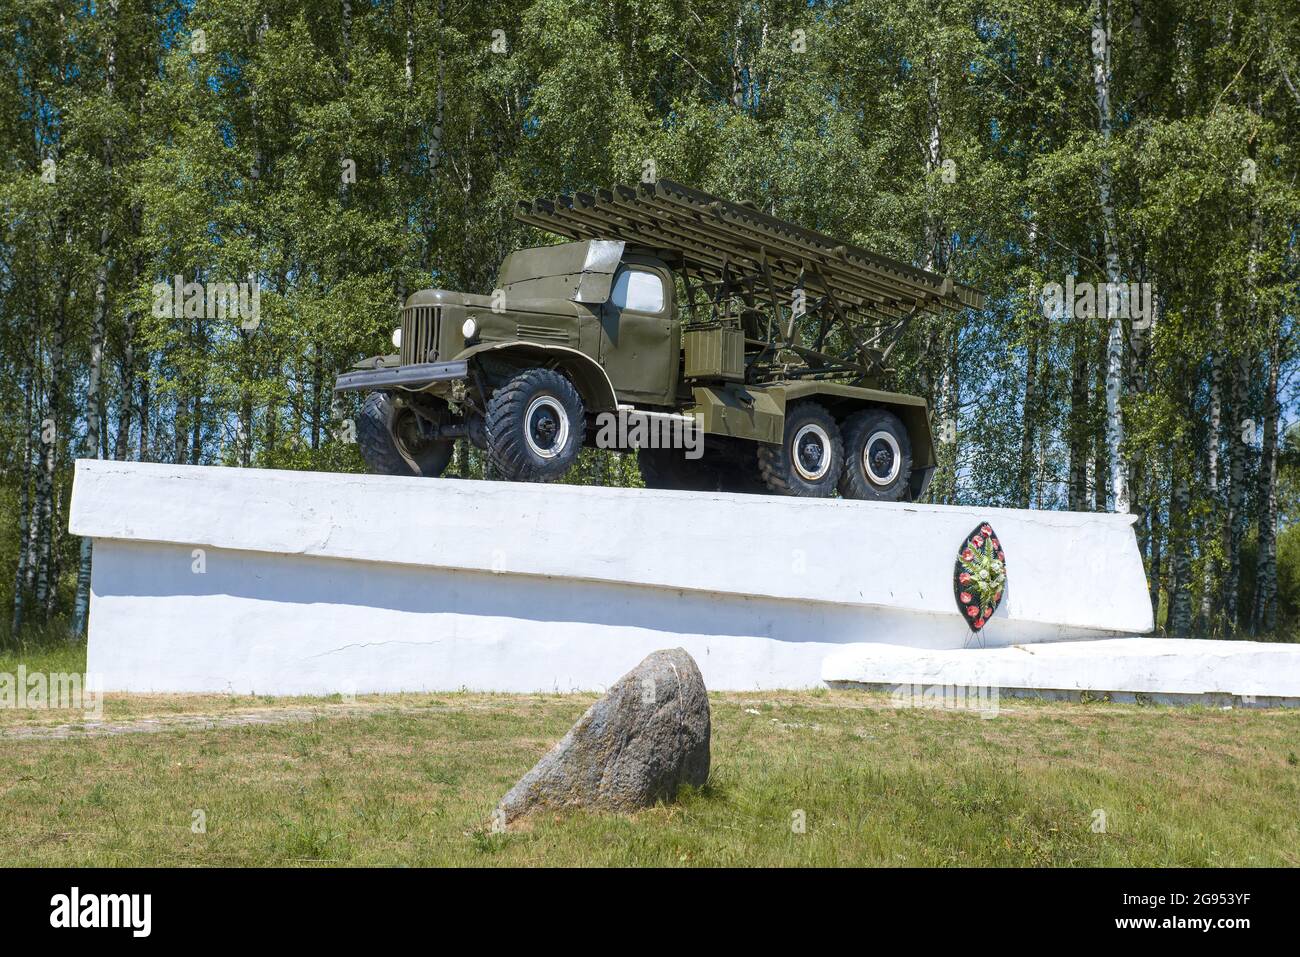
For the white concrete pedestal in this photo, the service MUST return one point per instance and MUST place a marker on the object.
(274, 582)
(1159, 670)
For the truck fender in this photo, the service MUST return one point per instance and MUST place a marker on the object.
(588, 376)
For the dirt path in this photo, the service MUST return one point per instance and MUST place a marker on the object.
(157, 724)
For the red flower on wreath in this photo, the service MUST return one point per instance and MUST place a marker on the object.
(964, 577)
(986, 528)
(972, 611)
(977, 541)
(964, 598)
(967, 555)
(979, 624)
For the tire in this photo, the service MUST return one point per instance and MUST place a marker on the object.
(810, 457)
(878, 457)
(381, 418)
(536, 424)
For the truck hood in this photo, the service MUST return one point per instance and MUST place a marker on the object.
(538, 306)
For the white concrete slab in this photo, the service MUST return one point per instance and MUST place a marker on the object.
(1064, 568)
(1164, 669)
(216, 579)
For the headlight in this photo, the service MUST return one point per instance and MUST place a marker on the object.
(469, 328)
(397, 338)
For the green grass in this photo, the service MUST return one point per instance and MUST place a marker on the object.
(412, 779)
(49, 657)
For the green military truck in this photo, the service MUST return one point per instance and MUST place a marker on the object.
(671, 313)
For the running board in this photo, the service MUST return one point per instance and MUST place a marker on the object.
(641, 428)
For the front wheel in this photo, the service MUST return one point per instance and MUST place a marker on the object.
(394, 441)
(535, 426)
(878, 457)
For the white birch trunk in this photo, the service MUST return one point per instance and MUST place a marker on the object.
(1264, 617)
(1212, 465)
(94, 417)
(1115, 323)
(24, 516)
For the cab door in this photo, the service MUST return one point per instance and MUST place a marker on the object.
(639, 345)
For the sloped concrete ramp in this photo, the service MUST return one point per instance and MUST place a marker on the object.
(276, 582)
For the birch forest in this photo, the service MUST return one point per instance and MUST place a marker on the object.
(337, 155)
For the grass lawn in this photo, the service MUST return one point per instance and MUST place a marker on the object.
(412, 779)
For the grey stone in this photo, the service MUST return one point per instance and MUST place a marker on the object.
(636, 746)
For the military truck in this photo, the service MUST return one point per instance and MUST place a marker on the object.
(667, 306)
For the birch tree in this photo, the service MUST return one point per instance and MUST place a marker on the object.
(1101, 75)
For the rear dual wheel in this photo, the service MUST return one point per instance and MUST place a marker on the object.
(870, 458)
(878, 457)
(810, 458)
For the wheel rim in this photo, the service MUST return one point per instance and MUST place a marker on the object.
(546, 426)
(881, 458)
(811, 452)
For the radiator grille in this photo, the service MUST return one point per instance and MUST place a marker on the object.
(420, 326)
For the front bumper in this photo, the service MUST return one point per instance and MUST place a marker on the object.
(412, 377)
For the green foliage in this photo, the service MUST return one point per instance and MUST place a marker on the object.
(961, 136)
(1288, 574)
